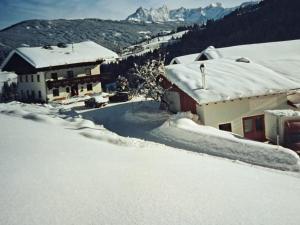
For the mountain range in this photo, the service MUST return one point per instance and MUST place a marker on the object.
(198, 15)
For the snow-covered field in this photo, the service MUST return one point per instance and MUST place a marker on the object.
(58, 168)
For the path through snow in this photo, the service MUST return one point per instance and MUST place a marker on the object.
(143, 120)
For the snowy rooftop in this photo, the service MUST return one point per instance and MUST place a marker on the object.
(227, 79)
(274, 67)
(185, 59)
(40, 57)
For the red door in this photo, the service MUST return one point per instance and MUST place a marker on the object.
(254, 128)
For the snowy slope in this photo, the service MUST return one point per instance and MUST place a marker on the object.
(151, 44)
(55, 175)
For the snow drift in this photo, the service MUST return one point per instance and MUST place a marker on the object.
(182, 130)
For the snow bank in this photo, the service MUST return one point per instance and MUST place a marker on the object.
(182, 130)
(52, 174)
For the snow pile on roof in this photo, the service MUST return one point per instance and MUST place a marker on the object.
(282, 57)
(211, 53)
(287, 113)
(75, 176)
(227, 80)
(87, 51)
(185, 59)
(258, 52)
(183, 131)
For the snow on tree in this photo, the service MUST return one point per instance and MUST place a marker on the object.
(122, 84)
(8, 92)
(148, 78)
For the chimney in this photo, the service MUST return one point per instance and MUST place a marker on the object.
(202, 69)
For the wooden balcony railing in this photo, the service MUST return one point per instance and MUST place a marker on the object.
(72, 81)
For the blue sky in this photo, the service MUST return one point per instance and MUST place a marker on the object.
(13, 11)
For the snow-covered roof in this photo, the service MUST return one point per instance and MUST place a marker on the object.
(185, 59)
(40, 57)
(273, 67)
(282, 57)
(227, 80)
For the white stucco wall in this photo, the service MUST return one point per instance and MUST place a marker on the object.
(78, 72)
(47, 94)
(32, 86)
(63, 94)
(233, 111)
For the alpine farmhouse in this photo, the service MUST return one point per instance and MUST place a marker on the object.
(56, 73)
(230, 88)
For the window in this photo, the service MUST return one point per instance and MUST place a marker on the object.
(26, 78)
(32, 94)
(55, 92)
(40, 94)
(81, 89)
(248, 125)
(225, 127)
(54, 76)
(22, 94)
(259, 123)
(31, 78)
(27, 93)
(21, 78)
(70, 74)
(67, 89)
(89, 87)
(38, 78)
(88, 71)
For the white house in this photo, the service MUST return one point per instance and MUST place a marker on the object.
(54, 73)
(237, 85)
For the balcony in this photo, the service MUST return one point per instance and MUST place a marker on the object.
(72, 81)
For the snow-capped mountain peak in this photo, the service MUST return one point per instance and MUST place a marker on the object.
(213, 11)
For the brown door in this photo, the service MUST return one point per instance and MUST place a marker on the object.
(254, 128)
(187, 103)
(74, 90)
